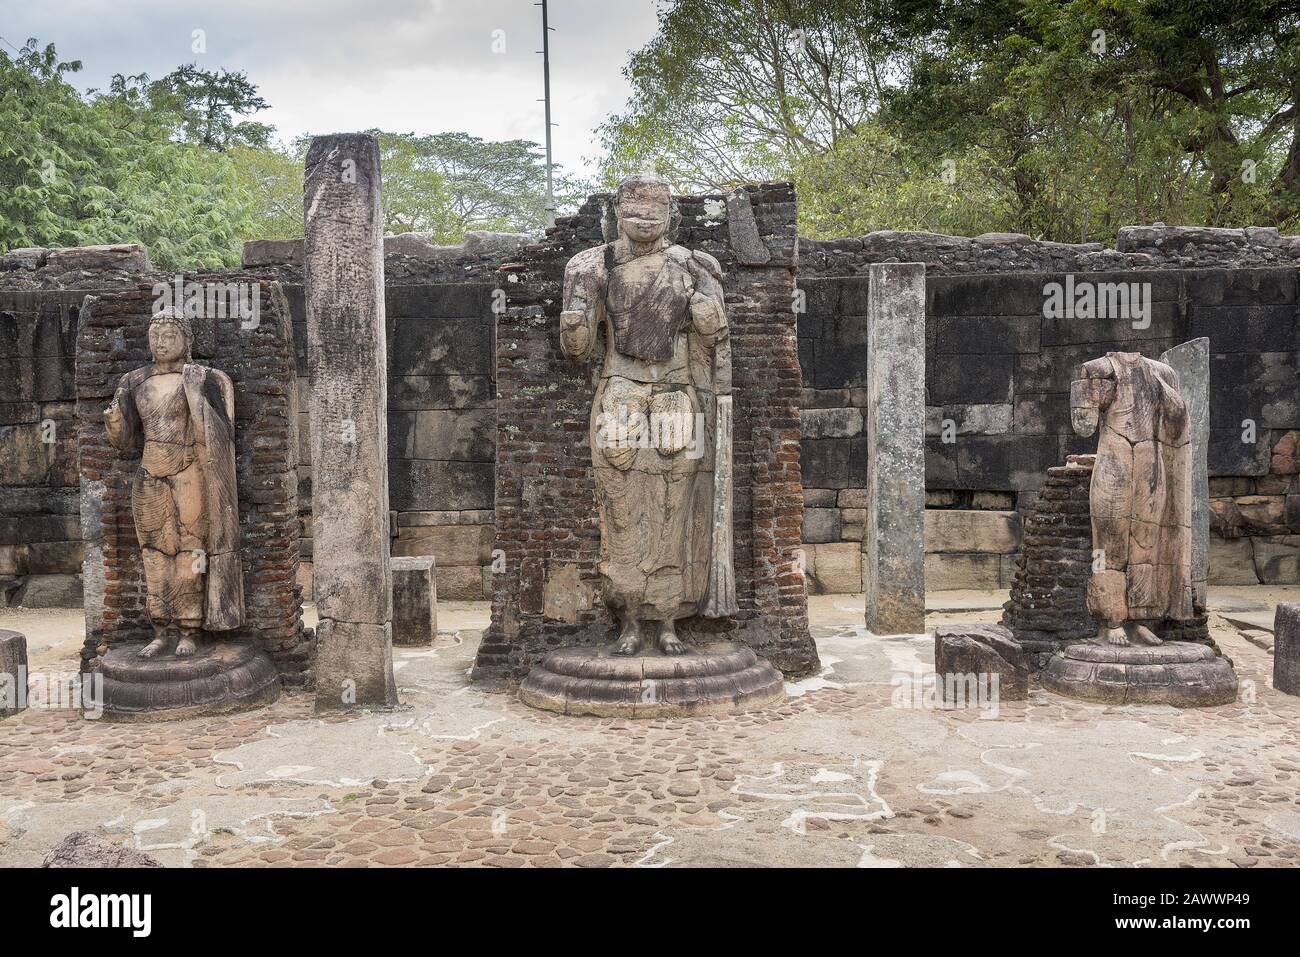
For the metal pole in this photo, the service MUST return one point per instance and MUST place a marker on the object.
(546, 82)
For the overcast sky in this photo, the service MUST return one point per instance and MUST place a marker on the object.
(325, 66)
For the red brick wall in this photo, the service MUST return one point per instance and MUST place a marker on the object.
(111, 341)
(545, 492)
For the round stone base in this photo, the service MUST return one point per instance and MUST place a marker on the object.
(720, 677)
(1177, 673)
(223, 677)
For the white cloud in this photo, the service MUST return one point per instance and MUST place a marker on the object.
(404, 65)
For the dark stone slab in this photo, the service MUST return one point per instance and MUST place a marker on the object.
(983, 651)
(13, 671)
(1286, 648)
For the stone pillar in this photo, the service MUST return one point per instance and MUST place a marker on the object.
(415, 600)
(893, 550)
(1191, 361)
(1286, 648)
(13, 672)
(346, 356)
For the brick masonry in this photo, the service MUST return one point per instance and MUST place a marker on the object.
(985, 334)
(547, 529)
(111, 341)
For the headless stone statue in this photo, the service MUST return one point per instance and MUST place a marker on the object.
(662, 401)
(179, 418)
(1140, 496)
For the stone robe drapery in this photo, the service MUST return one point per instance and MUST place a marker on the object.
(653, 423)
(1140, 496)
(183, 496)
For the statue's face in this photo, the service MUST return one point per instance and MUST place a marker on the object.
(166, 342)
(644, 212)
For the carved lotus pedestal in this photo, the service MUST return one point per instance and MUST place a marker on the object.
(222, 677)
(1177, 673)
(716, 678)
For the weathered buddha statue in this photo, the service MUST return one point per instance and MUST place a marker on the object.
(660, 423)
(1140, 496)
(178, 416)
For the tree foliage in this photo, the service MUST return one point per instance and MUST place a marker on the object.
(1060, 118)
(175, 164)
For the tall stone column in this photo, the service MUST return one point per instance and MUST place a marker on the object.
(1191, 361)
(344, 287)
(893, 549)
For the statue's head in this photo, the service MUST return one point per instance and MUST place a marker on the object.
(645, 208)
(170, 335)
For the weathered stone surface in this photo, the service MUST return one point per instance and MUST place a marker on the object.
(86, 849)
(1232, 562)
(128, 257)
(1286, 648)
(50, 591)
(360, 672)
(893, 560)
(13, 671)
(219, 678)
(948, 571)
(821, 525)
(742, 230)
(272, 252)
(415, 600)
(1177, 673)
(830, 423)
(1277, 560)
(709, 679)
(343, 253)
(835, 568)
(1191, 360)
(971, 530)
(983, 651)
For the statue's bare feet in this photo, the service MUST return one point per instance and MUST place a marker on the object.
(1110, 635)
(1141, 635)
(155, 648)
(188, 645)
(669, 643)
(629, 639)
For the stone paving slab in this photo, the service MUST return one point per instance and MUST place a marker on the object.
(854, 770)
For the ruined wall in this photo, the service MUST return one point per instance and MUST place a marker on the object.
(111, 341)
(441, 430)
(41, 291)
(998, 371)
(547, 526)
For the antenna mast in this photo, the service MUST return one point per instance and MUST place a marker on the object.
(546, 82)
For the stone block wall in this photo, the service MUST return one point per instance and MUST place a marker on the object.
(441, 429)
(40, 532)
(547, 527)
(111, 341)
(997, 380)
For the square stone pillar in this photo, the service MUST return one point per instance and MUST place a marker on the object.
(1286, 648)
(415, 600)
(13, 672)
(1191, 361)
(893, 547)
(343, 255)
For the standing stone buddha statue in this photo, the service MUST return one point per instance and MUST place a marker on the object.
(660, 426)
(1140, 496)
(178, 416)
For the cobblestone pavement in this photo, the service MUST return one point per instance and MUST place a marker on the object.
(853, 771)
